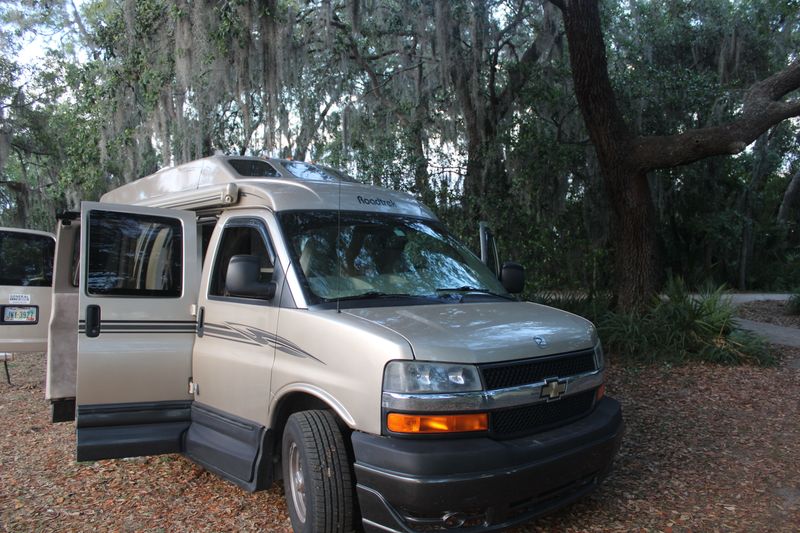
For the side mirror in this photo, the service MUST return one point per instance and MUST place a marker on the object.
(512, 276)
(242, 278)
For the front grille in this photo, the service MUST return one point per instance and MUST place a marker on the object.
(512, 374)
(528, 419)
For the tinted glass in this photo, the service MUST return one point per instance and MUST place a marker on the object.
(134, 255)
(338, 174)
(307, 171)
(242, 238)
(381, 254)
(26, 259)
(253, 168)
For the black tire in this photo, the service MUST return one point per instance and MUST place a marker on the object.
(328, 493)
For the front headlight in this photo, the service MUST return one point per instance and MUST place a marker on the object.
(598, 356)
(421, 377)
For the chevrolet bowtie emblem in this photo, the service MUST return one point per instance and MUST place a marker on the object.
(553, 389)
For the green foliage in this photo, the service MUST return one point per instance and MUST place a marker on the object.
(132, 86)
(595, 307)
(680, 328)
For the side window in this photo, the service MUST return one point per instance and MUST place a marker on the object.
(134, 255)
(241, 237)
(253, 167)
(206, 230)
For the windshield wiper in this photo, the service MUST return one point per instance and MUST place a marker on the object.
(370, 295)
(468, 288)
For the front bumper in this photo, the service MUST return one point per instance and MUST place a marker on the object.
(480, 484)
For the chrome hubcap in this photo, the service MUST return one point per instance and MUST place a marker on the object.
(297, 482)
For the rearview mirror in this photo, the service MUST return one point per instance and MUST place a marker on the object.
(242, 278)
(512, 276)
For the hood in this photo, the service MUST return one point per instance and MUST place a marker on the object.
(483, 332)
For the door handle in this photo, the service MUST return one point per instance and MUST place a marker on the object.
(201, 318)
(92, 320)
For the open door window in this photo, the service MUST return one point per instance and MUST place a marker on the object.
(139, 275)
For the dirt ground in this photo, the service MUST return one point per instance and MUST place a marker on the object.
(707, 448)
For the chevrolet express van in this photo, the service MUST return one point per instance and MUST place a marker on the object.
(274, 320)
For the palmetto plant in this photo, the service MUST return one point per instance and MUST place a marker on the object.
(681, 327)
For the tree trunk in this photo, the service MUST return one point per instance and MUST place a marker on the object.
(636, 252)
(309, 128)
(486, 184)
(484, 105)
(421, 176)
(790, 198)
(746, 207)
(637, 257)
(5, 140)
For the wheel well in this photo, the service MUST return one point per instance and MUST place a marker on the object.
(293, 403)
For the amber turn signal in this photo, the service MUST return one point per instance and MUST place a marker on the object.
(403, 423)
(601, 391)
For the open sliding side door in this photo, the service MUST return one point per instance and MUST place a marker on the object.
(62, 336)
(139, 276)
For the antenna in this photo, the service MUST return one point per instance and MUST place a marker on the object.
(338, 240)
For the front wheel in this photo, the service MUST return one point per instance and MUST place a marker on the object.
(316, 474)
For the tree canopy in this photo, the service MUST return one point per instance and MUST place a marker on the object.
(608, 143)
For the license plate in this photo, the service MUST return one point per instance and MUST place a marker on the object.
(20, 314)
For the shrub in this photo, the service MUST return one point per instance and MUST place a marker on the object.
(679, 327)
(591, 306)
(793, 305)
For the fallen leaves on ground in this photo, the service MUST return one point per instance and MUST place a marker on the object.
(707, 448)
(770, 312)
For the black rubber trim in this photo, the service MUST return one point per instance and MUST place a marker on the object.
(62, 410)
(230, 446)
(95, 443)
(142, 326)
(145, 321)
(67, 216)
(385, 518)
(124, 414)
(112, 431)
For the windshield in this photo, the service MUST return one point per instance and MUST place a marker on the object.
(26, 259)
(381, 255)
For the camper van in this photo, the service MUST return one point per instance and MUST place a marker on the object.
(26, 274)
(276, 320)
